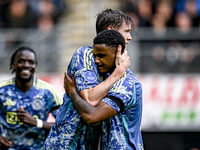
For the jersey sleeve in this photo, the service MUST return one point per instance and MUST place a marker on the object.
(51, 96)
(86, 79)
(111, 103)
(124, 91)
(84, 69)
(56, 101)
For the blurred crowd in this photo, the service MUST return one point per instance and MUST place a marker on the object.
(41, 14)
(164, 13)
(172, 44)
(32, 23)
(28, 14)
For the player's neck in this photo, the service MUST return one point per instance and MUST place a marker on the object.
(24, 86)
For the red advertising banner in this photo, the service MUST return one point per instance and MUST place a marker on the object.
(171, 102)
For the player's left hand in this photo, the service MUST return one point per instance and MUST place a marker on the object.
(25, 116)
(69, 84)
(122, 61)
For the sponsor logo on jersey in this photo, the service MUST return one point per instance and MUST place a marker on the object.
(90, 76)
(37, 104)
(11, 117)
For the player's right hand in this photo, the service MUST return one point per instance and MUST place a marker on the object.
(5, 142)
(122, 60)
(69, 84)
(25, 116)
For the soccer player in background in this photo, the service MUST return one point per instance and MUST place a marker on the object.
(25, 103)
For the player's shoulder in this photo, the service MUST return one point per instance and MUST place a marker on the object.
(83, 54)
(130, 76)
(39, 83)
(6, 82)
(83, 50)
(43, 85)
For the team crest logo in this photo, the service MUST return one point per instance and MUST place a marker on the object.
(90, 76)
(37, 104)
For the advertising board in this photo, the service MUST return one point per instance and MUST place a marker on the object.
(171, 102)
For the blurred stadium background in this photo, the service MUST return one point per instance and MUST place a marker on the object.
(165, 55)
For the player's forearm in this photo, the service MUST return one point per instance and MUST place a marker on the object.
(92, 115)
(47, 125)
(94, 95)
(85, 109)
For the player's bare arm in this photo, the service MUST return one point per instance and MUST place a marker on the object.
(92, 115)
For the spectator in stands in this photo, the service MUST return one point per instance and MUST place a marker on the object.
(145, 13)
(165, 10)
(45, 24)
(191, 7)
(49, 8)
(23, 14)
(18, 14)
(185, 44)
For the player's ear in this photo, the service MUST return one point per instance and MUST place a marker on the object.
(110, 28)
(13, 66)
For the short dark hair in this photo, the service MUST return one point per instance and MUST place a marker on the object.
(110, 38)
(111, 17)
(22, 48)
